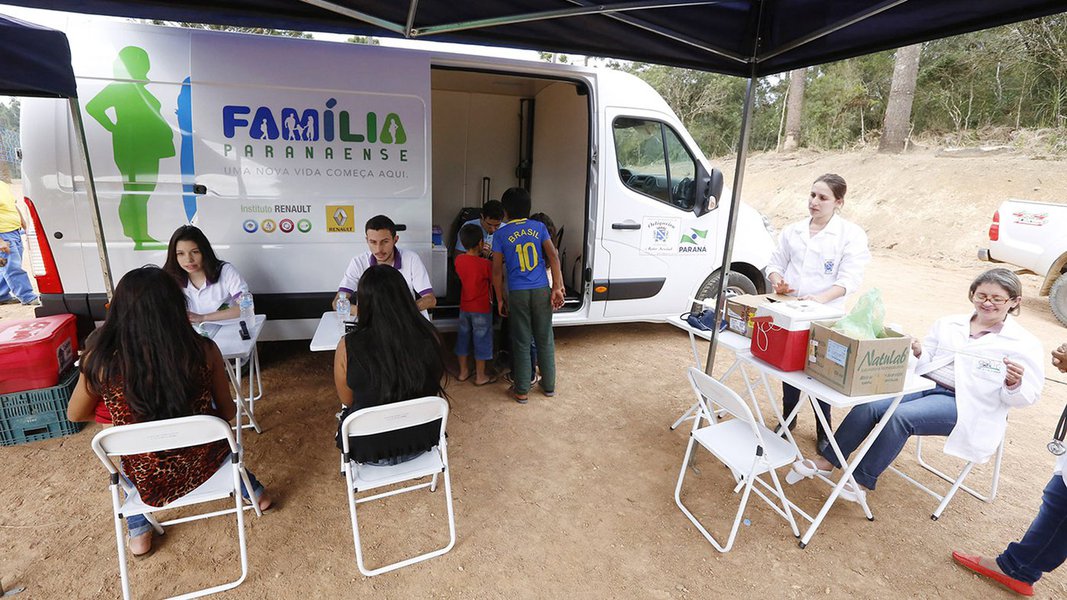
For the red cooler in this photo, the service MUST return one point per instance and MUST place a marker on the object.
(33, 352)
(780, 333)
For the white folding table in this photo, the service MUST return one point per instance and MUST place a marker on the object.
(238, 354)
(815, 390)
(328, 332)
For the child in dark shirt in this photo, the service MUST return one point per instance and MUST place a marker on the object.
(475, 313)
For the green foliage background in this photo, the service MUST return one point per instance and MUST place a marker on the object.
(982, 87)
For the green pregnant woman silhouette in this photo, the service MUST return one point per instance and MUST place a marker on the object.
(140, 137)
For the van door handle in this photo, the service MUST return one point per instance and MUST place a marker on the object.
(630, 225)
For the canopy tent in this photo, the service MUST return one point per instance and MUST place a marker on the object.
(35, 61)
(747, 38)
(735, 37)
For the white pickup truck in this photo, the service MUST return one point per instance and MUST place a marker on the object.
(1033, 236)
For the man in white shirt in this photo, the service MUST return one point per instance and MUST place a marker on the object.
(382, 239)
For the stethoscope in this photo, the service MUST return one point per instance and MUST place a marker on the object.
(1056, 446)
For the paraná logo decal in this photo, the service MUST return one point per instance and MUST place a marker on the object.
(694, 241)
(250, 226)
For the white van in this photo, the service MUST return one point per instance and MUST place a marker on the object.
(280, 150)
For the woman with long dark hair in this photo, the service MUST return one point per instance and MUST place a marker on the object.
(211, 286)
(393, 354)
(145, 363)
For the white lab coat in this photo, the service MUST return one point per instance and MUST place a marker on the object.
(982, 399)
(811, 264)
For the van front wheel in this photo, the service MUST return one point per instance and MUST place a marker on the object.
(736, 285)
(1057, 298)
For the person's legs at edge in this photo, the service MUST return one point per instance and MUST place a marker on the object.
(463, 344)
(13, 278)
(1044, 546)
(935, 415)
(520, 329)
(541, 316)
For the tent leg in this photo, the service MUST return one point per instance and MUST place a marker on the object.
(90, 189)
(735, 203)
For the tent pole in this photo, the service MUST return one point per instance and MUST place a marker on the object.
(90, 190)
(735, 204)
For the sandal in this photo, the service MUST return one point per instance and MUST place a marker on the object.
(492, 379)
(804, 469)
(517, 397)
(462, 379)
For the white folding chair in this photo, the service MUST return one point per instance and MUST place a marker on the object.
(957, 481)
(169, 434)
(361, 477)
(744, 445)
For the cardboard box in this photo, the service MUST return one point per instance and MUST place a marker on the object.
(741, 309)
(857, 367)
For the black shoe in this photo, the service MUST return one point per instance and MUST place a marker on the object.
(821, 444)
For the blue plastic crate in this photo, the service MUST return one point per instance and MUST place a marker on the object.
(35, 415)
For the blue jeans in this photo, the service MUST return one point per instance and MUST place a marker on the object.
(932, 412)
(479, 328)
(13, 280)
(137, 524)
(1044, 547)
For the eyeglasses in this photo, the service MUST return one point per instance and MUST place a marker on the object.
(995, 300)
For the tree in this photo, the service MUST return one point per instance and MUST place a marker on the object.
(794, 108)
(9, 138)
(897, 124)
(367, 40)
(231, 28)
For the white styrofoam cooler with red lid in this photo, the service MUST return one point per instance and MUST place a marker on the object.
(797, 315)
(780, 335)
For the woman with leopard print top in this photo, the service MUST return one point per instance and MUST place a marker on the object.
(147, 364)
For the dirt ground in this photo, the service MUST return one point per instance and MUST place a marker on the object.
(572, 496)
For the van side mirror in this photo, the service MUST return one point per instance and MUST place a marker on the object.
(710, 191)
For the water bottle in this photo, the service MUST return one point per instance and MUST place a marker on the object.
(248, 310)
(344, 309)
(437, 236)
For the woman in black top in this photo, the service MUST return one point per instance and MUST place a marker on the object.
(393, 354)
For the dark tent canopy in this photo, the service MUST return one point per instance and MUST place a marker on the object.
(34, 61)
(736, 37)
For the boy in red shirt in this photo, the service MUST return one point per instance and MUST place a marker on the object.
(475, 313)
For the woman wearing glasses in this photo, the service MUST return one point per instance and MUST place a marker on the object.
(983, 364)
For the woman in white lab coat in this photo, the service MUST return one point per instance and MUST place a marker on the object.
(821, 258)
(983, 363)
